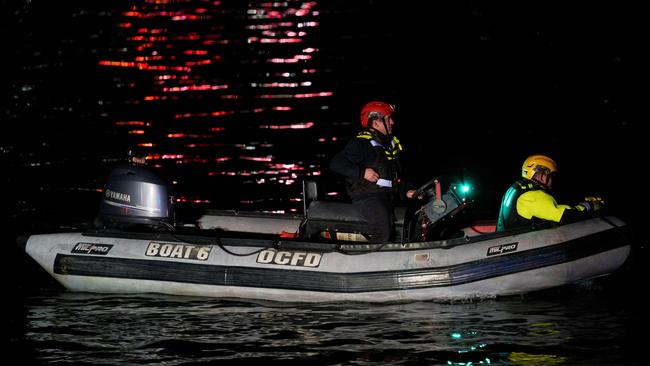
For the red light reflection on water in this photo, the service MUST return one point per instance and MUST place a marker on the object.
(195, 95)
(287, 167)
(184, 199)
(128, 123)
(257, 158)
(295, 126)
(193, 88)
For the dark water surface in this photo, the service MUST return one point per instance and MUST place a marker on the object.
(579, 325)
(237, 102)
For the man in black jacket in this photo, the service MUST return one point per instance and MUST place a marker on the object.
(370, 164)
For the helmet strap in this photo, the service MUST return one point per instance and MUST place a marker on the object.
(383, 121)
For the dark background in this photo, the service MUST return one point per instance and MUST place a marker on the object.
(478, 87)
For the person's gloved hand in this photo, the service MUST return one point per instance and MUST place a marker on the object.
(591, 204)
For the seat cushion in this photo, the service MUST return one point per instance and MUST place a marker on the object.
(333, 211)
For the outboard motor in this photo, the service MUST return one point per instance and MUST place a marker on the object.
(134, 196)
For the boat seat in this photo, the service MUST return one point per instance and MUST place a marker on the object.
(333, 211)
(342, 217)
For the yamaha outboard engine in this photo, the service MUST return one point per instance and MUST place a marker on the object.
(134, 196)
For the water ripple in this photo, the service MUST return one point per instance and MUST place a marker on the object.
(167, 330)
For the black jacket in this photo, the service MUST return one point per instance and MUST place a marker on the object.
(369, 149)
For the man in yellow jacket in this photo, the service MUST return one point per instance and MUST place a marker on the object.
(527, 200)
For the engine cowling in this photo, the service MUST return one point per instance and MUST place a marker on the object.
(134, 195)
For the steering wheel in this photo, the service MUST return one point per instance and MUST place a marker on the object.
(425, 188)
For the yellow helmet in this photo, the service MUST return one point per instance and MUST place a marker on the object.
(537, 163)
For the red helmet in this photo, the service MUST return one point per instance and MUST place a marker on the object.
(375, 109)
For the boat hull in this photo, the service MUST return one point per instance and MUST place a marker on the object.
(481, 266)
